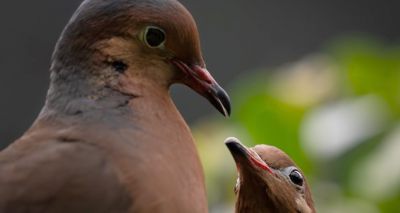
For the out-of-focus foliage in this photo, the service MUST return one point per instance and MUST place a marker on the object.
(336, 113)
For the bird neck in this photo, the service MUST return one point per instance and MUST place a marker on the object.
(76, 94)
(265, 194)
(253, 199)
(79, 93)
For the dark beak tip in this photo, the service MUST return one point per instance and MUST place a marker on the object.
(224, 101)
(231, 141)
(235, 146)
(238, 151)
(227, 106)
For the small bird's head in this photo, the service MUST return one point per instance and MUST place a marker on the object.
(155, 41)
(269, 181)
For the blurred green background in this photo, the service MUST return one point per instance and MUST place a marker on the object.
(335, 112)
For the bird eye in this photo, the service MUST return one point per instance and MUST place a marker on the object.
(296, 177)
(154, 37)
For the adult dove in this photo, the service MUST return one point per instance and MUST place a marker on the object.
(109, 139)
(269, 181)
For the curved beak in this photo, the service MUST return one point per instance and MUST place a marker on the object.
(245, 157)
(200, 80)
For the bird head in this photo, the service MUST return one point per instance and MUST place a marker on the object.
(156, 41)
(269, 181)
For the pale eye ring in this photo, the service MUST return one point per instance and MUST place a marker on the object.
(154, 37)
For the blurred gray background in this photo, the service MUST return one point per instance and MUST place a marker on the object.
(237, 36)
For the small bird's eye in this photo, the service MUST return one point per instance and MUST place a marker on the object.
(296, 177)
(154, 37)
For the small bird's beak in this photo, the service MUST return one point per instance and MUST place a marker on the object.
(199, 79)
(245, 157)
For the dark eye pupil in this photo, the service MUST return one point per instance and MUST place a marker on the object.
(154, 37)
(296, 178)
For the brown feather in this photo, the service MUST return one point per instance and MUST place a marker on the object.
(110, 141)
(268, 188)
